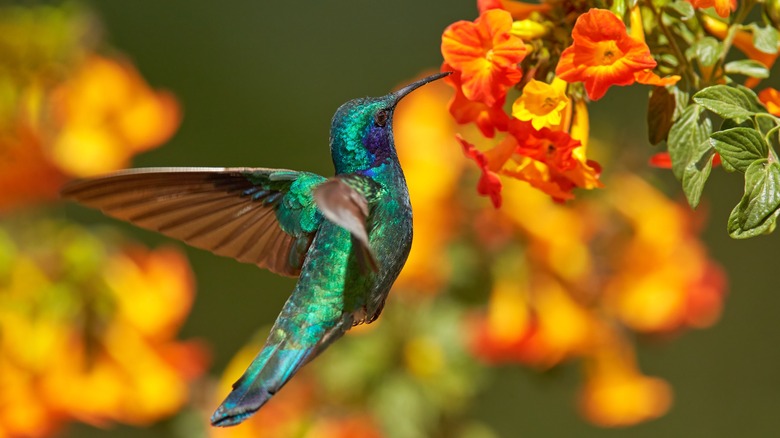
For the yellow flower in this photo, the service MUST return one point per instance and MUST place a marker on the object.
(106, 114)
(89, 331)
(65, 111)
(528, 29)
(616, 393)
(541, 103)
(425, 140)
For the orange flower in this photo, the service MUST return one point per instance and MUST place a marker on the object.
(93, 122)
(486, 54)
(603, 54)
(551, 161)
(107, 113)
(489, 183)
(663, 282)
(722, 7)
(488, 119)
(113, 356)
(616, 392)
(425, 139)
(553, 148)
(771, 100)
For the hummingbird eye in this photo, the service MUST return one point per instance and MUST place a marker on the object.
(380, 118)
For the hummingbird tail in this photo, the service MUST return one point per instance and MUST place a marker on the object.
(267, 373)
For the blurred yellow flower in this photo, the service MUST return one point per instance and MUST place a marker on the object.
(106, 113)
(65, 111)
(425, 138)
(616, 393)
(89, 331)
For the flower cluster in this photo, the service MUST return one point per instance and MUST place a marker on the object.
(568, 283)
(88, 322)
(543, 139)
(88, 330)
(72, 112)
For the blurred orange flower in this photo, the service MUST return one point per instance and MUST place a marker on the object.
(616, 393)
(562, 299)
(91, 121)
(422, 119)
(722, 7)
(89, 331)
(105, 113)
(771, 100)
(603, 54)
(486, 54)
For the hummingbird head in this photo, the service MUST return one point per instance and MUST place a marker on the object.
(361, 133)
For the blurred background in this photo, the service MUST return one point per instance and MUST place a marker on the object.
(254, 84)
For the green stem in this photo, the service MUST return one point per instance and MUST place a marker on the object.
(742, 12)
(687, 70)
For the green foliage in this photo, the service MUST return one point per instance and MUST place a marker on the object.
(727, 102)
(744, 143)
(747, 67)
(757, 212)
(740, 147)
(764, 38)
(706, 51)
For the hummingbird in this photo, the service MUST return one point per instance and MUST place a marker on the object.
(346, 238)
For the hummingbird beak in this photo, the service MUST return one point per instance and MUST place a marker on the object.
(398, 95)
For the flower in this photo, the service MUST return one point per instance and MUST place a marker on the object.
(662, 282)
(69, 112)
(489, 183)
(770, 97)
(603, 54)
(722, 7)
(551, 161)
(488, 119)
(541, 103)
(106, 316)
(486, 54)
(425, 141)
(616, 393)
(106, 113)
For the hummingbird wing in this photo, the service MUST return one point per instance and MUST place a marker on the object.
(262, 216)
(344, 200)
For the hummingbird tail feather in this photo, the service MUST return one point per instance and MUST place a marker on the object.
(267, 373)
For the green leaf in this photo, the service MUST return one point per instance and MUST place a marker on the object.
(757, 211)
(696, 173)
(747, 67)
(764, 38)
(682, 9)
(706, 50)
(660, 114)
(681, 99)
(727, 102)
(751, 96)
(687, 133)
(619, 7)
(740, 147)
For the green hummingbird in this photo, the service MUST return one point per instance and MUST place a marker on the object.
(345, 237)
